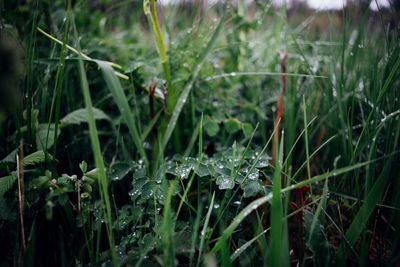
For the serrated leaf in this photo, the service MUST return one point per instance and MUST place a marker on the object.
(6, 183)
(80, 115)
(211, 127)
(35, 158)
(233, 125)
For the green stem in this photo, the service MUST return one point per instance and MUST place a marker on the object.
(153, 21)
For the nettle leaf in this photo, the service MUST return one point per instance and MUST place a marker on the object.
(233, 125)
(6, 183)
(210, 126)
(318, 243)
(41, 136)
(80, 115)
(35, 158)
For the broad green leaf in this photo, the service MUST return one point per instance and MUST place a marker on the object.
(225, 182)
(251, 188)
(211, 127)
(35, 158)
(6, 183)
(233, 125)
(41, 136)
(119, 170)
(120, 99)
(80, 115)
(10, 158)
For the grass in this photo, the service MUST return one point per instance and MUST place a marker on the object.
(181, 135)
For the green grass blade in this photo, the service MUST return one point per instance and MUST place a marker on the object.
(120, 99)
(258, 202)
(189, 184)
(149, 127)
(276, 242)
(149, 8)
(188, 86)
(168, 230)
(360, 220)
(204, 230)
(98, 157)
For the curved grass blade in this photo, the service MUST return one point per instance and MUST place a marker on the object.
(112, 64)
(234, 74)
(258, 202)
(120, 99)
(246, 245)
(362, 216)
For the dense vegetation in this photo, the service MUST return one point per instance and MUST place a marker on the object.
(139, 134)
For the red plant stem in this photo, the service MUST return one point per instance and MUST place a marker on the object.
(79, 197)
(21, 194)
(279, 113)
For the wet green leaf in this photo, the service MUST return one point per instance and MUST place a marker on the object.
(211, 127)
(233, 125)
(247, 129)
(119, 170)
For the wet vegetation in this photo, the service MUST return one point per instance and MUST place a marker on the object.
(140, 134)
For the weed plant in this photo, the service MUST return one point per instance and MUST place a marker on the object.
(138, 134)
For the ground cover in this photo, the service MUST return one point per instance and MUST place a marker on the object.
(141, 134)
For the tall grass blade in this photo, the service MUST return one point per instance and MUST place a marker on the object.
(120, 99)
(360, 220)
(188, 85)
(258, 202)
(168, 229)
(155, 26)
(203, 231)
(59, 83)
(98, 158)
(276, 242)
